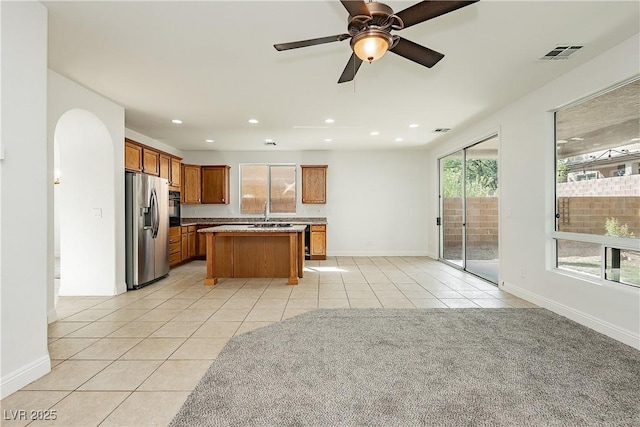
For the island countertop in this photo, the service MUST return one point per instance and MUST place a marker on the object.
(253, 220)
(253, 229)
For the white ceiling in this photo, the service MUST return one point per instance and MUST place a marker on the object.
(212, 64)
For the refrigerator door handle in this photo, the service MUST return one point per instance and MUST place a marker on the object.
(155, 213)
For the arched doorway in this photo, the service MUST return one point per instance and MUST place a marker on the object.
(84, 205)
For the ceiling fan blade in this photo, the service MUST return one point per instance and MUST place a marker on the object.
(311, 42)
(416, 53)
(356, 7)
(426, 10)
(351, 69)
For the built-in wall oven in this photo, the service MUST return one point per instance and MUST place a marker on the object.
(174, 208)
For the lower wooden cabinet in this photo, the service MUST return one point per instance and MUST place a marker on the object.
(201, 238)
(175, 246)
(189, 243)
(318, 242)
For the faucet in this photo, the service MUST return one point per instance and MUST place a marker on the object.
(266, 210)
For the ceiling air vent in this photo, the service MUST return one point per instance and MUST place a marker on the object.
(561, 52)
(441, 130)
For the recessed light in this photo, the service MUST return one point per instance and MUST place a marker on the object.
(575, 138)
(208, 140)
(413, 125)
(176, 121)
(253, 121)
(398, 140)
(328, 140)
(374, 133)
(562, 141)
(635, 139)
(329, 121)
(268, 140)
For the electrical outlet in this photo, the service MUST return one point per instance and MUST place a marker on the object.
(369, 243)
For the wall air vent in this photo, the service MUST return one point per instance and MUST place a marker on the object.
(441, 130)
(561, 52)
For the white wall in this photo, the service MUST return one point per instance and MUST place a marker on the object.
(24, 181)
(376, 200)
(527, 198)
(144, 139)
(92, 162)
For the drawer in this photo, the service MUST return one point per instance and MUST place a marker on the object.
(175, 239)
(185, 229)
(174, 247)
(319, 227)
(174, 231)
(192, 228)
(175, 258)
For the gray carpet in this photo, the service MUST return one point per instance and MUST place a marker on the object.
(412, 367)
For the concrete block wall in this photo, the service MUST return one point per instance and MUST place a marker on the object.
(482, 221)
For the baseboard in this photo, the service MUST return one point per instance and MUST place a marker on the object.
(432, 255)
(599, 325)
(52, 316)
(70, 291)
(25, 375)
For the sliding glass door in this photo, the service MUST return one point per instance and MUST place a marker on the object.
(451, 208)
(469, 209)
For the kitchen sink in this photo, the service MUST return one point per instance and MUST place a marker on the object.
(271, 225)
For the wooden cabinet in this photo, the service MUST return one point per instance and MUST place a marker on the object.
(132, 156)
(215, 184)
(170, 168)
(175, 246)
(175, 174)
(189, 243)
(201, 238)
(150, 161)
(193, 241)
(184, 244)
(140, 158)
(318, 242)
(190, 184)
(165, 167)
(314, 184)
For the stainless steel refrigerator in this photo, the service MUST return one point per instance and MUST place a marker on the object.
(147, 229)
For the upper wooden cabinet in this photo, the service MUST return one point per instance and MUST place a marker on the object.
(215, 184)
(190, 184)
(314, 184)
(140, 158)
(165, 167)
(175, 174)
(132, 156)
(150, 161)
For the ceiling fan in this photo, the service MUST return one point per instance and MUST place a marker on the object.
(369, 28)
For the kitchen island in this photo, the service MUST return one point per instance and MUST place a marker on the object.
(247, 251)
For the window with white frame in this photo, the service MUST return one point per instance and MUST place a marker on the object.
(267, 188)
(597, 190)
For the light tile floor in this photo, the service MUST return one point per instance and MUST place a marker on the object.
(132, 360)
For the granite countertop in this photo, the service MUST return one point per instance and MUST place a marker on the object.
(251, 221)
(251, 228)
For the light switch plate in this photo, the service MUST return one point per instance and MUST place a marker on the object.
(97, 212)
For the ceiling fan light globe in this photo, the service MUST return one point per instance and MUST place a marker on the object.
(371, 45)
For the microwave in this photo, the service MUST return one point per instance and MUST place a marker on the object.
(174, 208)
